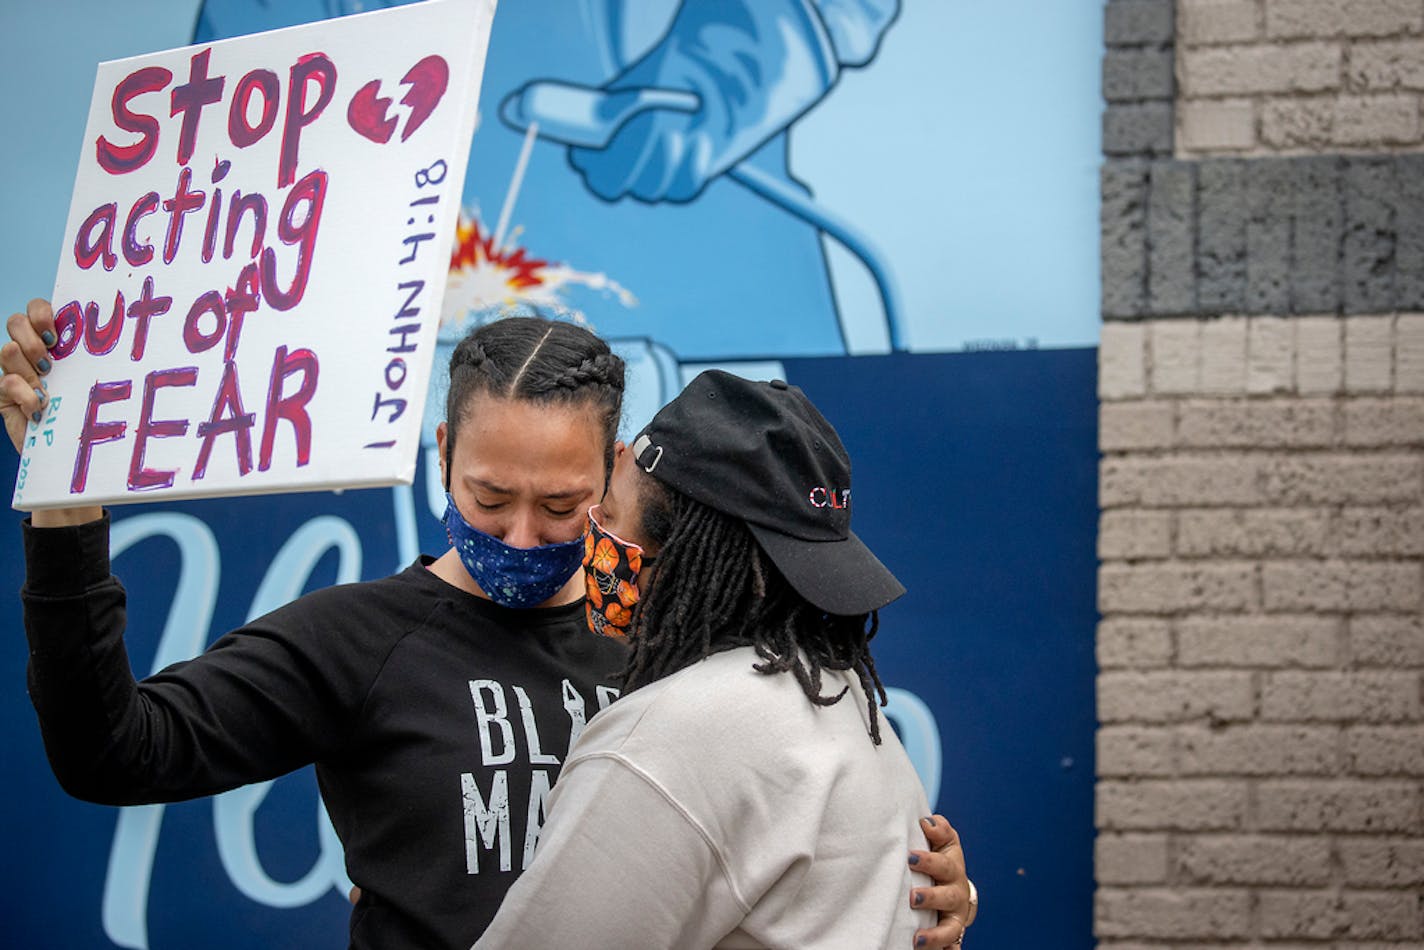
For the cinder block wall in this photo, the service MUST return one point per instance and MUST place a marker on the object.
(1290, 76)
(1261, 691)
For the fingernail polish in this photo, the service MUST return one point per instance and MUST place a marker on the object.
(40, 393)
(919, 898)
(37, 416)
(47, 338)
(914, 859)
(930, 822)
(43, 364)
(921, 941)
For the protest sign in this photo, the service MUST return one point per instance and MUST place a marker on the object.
(254, 260)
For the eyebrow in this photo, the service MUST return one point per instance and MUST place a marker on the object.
(571, 493)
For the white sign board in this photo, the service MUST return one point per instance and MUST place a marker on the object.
(254, 261)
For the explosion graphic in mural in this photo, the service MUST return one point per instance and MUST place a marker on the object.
(491, 278)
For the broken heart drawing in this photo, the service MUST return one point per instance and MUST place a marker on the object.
(369, 113)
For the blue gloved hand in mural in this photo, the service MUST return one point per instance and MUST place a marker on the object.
(754, 67)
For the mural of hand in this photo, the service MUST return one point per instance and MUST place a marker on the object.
(773, 61)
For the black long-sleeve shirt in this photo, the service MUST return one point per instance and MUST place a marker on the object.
(437, 721)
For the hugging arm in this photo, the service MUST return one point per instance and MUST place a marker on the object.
(951, 895)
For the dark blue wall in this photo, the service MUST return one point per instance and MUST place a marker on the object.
(974, 480)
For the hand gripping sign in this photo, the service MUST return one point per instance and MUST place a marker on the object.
(254, 261)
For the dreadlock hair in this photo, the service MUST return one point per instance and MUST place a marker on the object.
(716, 590)
(539, 360)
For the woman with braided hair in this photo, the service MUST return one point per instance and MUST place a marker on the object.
(740, 801)
(436, 704)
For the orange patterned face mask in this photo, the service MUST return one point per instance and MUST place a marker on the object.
(610, 571)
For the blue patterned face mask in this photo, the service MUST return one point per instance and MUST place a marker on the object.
(512, 577)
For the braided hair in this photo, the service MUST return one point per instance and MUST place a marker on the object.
(716, 590)
(539, 360)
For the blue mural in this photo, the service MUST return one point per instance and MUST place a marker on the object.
(811, 190)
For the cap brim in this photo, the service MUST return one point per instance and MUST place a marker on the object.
(840, 577)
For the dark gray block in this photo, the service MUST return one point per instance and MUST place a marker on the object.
(1221, 236)
(1143, 128)
(1268, 236)
(1409, 233)
(1132, 74)
(1171, 238)
(1124, 238)
(1137, 22)
(1369, 244)
(1315, 245)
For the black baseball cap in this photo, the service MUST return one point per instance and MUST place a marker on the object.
(761, 452)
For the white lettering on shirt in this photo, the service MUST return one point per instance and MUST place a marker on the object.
(499, 715)
(485, 822)
(538, 792)
(531, 730)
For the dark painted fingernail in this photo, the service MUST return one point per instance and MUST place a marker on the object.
(914, 859)
(44, 365)
(930, 822)
(41, 394)
(37, 415)
(919, 898)
(48, 338)
(921, 941)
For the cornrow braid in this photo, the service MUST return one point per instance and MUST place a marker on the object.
(539, 360)
(601, 369)
(469, 353)
(716, 590)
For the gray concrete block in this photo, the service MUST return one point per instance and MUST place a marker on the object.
(1136, 22)
(1124, 237)
(1171, 238)
(1142, 128)
(1315, 252)
(1268, 236)
(1221, 236)
(1133, 74)
(1369, 244)
(1409, 233)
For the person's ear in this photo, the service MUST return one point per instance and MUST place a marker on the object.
(442, 432)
